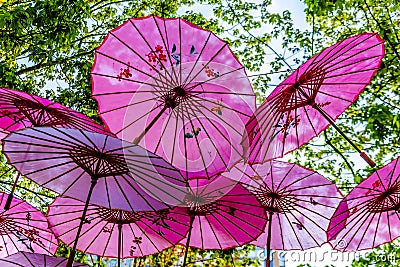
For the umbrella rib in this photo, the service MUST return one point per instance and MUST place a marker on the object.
(108, 195)
(206, 132)
(343, 50)
(169, 78)
(197, 140)
(309, 120)
(137, 119)
(293, 230)
(157, 93)
(212, 229)
(197, 59)
(131, 104)
(165, 82)
(189, 89)
(198, 100)
(360, 216)
(108, 239)
(394, 168)
(352, 55)
(219, 118)
(226, 229)
(163, 132)
(166, 46)
(243, 211)
(285, 177)
(58, 176)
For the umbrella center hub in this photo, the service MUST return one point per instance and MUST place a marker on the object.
(389, 200)
(120, 216)
(7, 226)
(175, 96)
(97, 163)
(198, 207)
(275, 202)
(303, 92)
(40, 115)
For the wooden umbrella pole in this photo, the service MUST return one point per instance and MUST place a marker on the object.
(188, 240)
(269, 239)
(119, 237)
(148, 127)
(11, 195)
(72, 254)
(363, 155)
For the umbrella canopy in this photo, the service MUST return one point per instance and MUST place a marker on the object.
(223, 215)
(175, 89)
(113, 233)
(299, 203)
(24, 259)
(370, 212)
(24, 228)
(313, 96)
(66, 161)
(19, 110)
(72, 162)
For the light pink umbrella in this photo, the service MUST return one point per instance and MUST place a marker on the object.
(117, 233)
(313, 96)
(73, 162)
(299, 203)
(24, 228)
(175, 89)
(370, 212)
(223, 215)
(19, 110)
(25, 259)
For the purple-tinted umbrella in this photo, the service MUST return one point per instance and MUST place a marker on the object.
(370, 212)
(223, 215)
(117, 233)
(20, 110)
(299, 203)
(313, 97)
(175, 89)
(24, 228)
(25, 259)
(72, 162)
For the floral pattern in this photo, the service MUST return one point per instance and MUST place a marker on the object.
(285, 125)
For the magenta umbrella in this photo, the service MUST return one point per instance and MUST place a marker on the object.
(117, 233)
(24, 228)
(299, 203)
(20, 110)
(223, 215)
(175, 89)
(313, 96)
(370, 212)
(25, 259)
(73, 162)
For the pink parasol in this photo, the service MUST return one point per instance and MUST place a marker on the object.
(24, 259)
(175, 89)
(299, 203)
(370, 212)
(73, 162)
(223, 215)
(117, 233)
(19, 110)
(24, 228)
(313, 96)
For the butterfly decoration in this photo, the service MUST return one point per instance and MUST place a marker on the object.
(193, 133)
(298, 225)
(218, 108)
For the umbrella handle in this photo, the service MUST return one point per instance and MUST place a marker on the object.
(367, 159)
